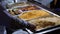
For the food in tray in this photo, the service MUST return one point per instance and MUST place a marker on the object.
(14, 12)
(45, 22)
(29, 8)
(11, 12)
(17, 4)
(33, 14)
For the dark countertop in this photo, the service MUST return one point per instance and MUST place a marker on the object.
(2, 29)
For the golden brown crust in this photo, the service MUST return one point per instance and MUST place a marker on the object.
(34, 14)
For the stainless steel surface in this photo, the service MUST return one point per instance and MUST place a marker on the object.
(50, 12)
(48, 30)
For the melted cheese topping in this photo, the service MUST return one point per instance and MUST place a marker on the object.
(34, 14)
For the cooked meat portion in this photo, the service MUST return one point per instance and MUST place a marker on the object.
(14, 12)
(29, 8)
(45, 22)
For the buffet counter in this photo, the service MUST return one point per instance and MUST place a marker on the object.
(34, 16)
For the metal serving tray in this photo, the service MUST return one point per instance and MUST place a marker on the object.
(49, 13)
(26, 23)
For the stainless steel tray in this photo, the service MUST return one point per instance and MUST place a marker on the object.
(25, 22)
